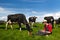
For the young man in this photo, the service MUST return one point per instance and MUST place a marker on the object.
(47, 29)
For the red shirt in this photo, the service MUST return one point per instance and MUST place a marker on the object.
(48, 27)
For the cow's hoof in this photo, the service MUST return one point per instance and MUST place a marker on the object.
(32, 27)
(20, 29)
(12, 29)
(46, 35)
(30, 33)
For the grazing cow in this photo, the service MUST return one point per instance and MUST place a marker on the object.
(19, 18)
(50, 19)
(32, 20)
(57, 21)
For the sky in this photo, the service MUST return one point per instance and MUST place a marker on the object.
(38, 8)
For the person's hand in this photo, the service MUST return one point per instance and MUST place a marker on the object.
(48, 32)
(42, 30)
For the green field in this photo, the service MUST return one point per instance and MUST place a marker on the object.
(23, 35)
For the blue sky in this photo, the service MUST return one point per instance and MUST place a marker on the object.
(39, 8)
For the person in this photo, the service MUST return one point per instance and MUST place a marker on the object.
(47, 29)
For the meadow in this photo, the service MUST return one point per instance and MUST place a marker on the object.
(16, 34)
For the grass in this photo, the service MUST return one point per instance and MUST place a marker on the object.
(23, 35)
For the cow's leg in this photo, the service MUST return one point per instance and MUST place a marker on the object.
(6, 26)
(10, 23)
(32, 24)
(11, 27)
(19, 26)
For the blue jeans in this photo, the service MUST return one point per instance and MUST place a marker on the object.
(43, 33)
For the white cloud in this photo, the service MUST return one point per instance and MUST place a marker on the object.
(4, 13)
(3, 18)
(40, 15)
(34, 12)
(1, 9)
(39, 18)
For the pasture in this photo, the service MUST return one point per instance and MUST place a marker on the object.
(15, 34)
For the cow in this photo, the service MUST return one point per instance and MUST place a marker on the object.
(50, 19)
(57, 21)
(19, 18)
(32, 20)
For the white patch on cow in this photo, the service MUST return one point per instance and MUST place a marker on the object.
(9, 22)
(11, 27)
(51, 19)
(20, 29)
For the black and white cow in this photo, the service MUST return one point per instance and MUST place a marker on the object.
(57, 21)
(19, 18)
(50, 19)
(32, 20)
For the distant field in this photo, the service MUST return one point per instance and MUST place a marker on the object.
(22, 35)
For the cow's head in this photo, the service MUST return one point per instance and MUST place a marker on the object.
(35, 17)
